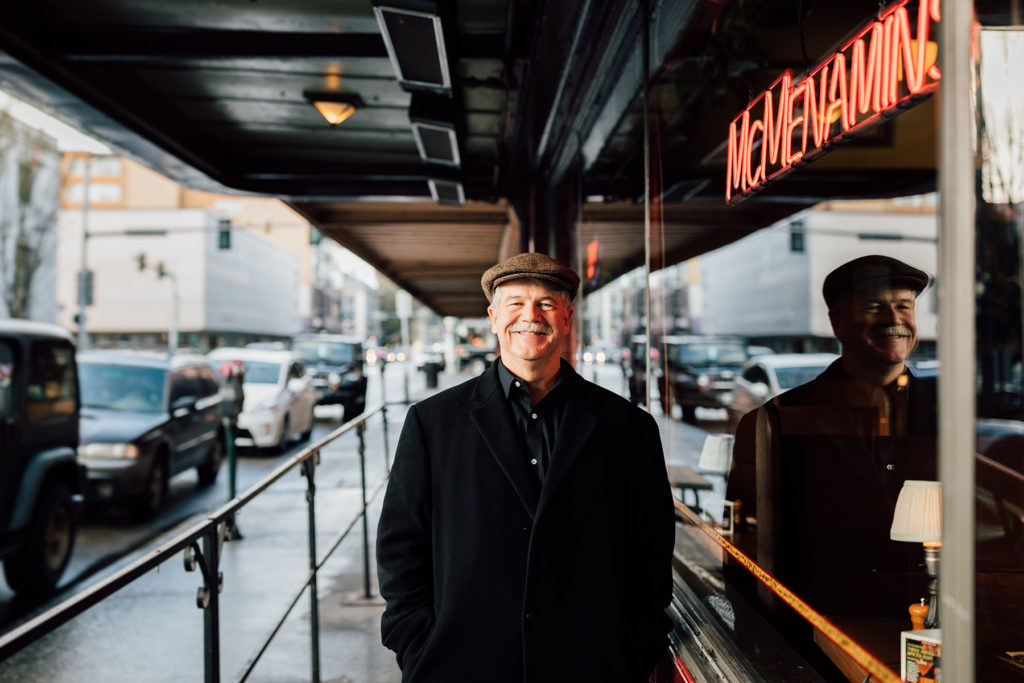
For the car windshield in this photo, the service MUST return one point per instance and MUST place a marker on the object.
(712, 353)
(313, 351)
(791, 377)
(122, 387)
(262, 372)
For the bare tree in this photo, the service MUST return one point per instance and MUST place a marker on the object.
(29, 201)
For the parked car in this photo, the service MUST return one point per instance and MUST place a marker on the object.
(336, 364)
(764, 377)
(698, 371)
(40, 480)
(474, 358)
(278, 397)
(146, 417)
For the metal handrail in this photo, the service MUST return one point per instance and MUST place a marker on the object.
(212, 532)
(876, 669)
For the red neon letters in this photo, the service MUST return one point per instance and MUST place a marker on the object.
(880, 69)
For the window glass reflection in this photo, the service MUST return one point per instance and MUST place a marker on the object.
(999, 470)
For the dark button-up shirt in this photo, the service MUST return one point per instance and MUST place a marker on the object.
(537, 424)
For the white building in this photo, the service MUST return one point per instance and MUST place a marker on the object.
(223, 295)
(767, 286)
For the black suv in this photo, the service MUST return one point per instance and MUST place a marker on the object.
(146, 416)
(336, 363)
(700, 370)
(40, 481)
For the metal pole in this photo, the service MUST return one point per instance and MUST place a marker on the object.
(387, 449)
(234, 533)
(83, 335)
(956, 286)
(405, 383)
(366, 527)
(172, 331)
(384, 416)
(308, 468)
(645, 58)
(209, 599)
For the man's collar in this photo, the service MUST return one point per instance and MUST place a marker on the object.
(506, 378)
(836, 370)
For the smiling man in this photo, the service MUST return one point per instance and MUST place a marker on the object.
(820, 466)
(527, 530)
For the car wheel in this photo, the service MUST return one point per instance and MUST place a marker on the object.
(690, 414)
(49, 539)
(152, 496)
(208, 470)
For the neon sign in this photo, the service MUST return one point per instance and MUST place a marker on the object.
(877, 73)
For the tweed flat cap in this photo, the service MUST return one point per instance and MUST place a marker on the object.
(530, 265)
(870, 271)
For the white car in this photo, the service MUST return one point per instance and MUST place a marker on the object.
(278, 396)
(765, 376)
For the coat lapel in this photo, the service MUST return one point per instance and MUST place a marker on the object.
(578, 425)
(490, 415)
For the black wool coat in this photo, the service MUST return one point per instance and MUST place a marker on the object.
(487, 578)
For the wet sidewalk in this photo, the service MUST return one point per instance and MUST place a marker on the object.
(152, 630)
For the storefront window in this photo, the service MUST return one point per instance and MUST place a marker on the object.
(790, 546)
(999, 464)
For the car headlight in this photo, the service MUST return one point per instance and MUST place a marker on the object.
(703, 381)
(334, 379)
(128, 451)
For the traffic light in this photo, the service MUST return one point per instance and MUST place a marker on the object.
(224, 234)
(141, 257)
(161, 272)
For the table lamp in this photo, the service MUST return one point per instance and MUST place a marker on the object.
(716, 455)
(918, 519)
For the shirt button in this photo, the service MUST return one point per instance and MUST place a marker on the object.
(534, 461)
(531, 618)
(890, 467)
(534, 416)
(518, 384)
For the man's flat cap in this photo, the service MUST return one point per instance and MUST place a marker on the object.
(868, 272)
(530, 265)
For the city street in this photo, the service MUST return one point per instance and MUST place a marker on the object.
(152, 628)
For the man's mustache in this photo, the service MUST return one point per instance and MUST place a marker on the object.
(893, 331)
(531, 328)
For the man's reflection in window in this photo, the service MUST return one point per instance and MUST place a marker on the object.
(820, 466)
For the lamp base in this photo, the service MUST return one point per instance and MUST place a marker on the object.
(931, 563)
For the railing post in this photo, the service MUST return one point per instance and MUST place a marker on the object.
(309, 469)
(387, 449)
(366, 527)
(208, 595)
(234, 534)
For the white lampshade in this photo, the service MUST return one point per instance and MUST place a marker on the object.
(716, 455)
(918, 515)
